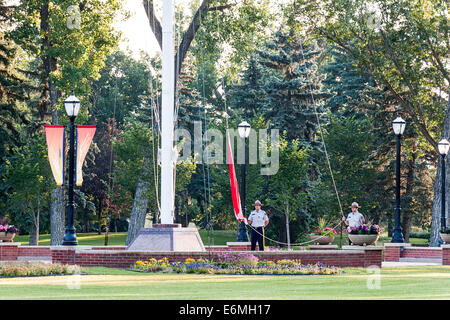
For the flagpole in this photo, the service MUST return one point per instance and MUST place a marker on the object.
(167, 105)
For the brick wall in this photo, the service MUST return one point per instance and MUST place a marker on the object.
(123, 259)
(393, 251)
(323, 247)
(423, 252)
(445, 254)
(373, 257)
(63, 255)
(119, 248)
(9, 251)
(118, 257)
(34, 251)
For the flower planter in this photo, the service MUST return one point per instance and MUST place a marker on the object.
(7, 237)
(363, 239)
(445, 237)
(318, 239)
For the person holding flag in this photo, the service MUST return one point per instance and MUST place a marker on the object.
(258, 219)
(354, 218)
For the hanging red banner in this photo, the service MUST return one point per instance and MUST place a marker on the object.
(84, 140)
(234, 185)
(55, 136)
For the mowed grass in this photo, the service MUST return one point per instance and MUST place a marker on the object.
(424, 282)
(216, 237)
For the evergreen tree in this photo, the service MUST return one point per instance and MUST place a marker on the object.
(294, 89)
(12, 87)
(353, 92)
(249, 95)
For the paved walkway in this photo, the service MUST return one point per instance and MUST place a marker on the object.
(408, 264)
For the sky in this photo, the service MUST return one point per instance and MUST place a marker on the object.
(136, 32)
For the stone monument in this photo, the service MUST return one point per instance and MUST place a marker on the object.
(167, 237)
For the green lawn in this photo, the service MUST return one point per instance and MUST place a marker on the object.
(219, 237)
(430, 282)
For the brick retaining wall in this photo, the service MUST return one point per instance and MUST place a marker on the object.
(446, 254)
(118, 257)
(395, 251)
(360, 257)
(423, 252)
(9, 251)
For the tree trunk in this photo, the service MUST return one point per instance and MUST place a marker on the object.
(282, 234)
(288, 236)
(48, 99)
(436, 213)
(57, 217)
(34, 232)
(410, 184)
(140, 204)
(99, 216)
(106, 234)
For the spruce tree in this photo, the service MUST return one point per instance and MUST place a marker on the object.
(293, 89)
(12, 84)
(249, 95)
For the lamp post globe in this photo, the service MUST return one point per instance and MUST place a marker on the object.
(398, 126)
(244, 129)
(72, 106)
(244, 132)
(443, 147)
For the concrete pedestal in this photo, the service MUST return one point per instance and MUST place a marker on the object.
(167, 237)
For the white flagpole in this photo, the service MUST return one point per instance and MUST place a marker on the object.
(167, 130)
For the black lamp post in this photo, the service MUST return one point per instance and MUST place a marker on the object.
(398, 125)
(443, 147)
(72, 105)
(244, 132)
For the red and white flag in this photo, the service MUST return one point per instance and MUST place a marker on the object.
(84, 139)
(54, 135)
(234, 185)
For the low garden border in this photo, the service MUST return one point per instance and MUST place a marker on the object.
(118, 257)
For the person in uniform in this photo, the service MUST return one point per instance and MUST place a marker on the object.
(354, 218)
(258, 219)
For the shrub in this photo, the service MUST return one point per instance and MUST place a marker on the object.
(33, 269)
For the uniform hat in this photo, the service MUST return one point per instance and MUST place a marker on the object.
(257, 202)
(355, 204)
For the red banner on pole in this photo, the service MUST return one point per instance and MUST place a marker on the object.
(55, 136)
(84, 140)
(234, 185)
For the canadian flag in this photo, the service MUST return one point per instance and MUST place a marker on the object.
(234, 185)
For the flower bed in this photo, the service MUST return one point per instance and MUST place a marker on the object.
(364, 234)
(34, 269)
(229, 263)
(8, 232)
(323, 235)
(365, 230)
(8, 228)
